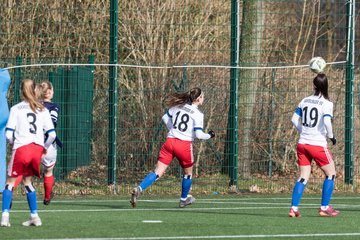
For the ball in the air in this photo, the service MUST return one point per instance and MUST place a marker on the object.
(317, 64)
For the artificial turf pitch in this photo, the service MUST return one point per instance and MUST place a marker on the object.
(210, 217)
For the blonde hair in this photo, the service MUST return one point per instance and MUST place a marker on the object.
(29, 95)
(42, 88)
(183, 97)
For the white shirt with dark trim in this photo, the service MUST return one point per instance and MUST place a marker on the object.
(185, 122)
(25, 127)
(312, 118)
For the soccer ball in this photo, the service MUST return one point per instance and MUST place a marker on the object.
(317, 64)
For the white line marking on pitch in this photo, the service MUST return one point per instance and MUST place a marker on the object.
(160, 209)
(221, 237)
(240, 199)
(151, 221)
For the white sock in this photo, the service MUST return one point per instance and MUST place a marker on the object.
(324, 208)
(295, 208)
(5, 214)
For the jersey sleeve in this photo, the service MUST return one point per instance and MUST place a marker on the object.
(328, 126)
(328, 109)
(198, 121)
(10, 126)
(198, 127)
(11, 123)
(167, 119)
(48, 129)
(201, 135)
(296, 121)
(54, 113)
(48, 124)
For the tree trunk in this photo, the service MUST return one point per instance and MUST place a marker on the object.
(250, 38)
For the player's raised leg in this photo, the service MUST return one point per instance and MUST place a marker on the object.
(147, 181)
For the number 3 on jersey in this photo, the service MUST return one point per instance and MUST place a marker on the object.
(181, 121)
(310, 117)
(31, 117)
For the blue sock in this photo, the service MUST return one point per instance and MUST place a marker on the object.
(186, 185)
(148, 180)
(6, 198)
(327, 190)
(297, 192)
(31, 198)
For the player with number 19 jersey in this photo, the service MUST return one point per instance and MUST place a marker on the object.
(313, 110)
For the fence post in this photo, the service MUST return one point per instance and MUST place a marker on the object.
(349, 94)
(113, 92)
(232, 134)
(16, 98)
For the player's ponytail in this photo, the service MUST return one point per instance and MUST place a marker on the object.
(182, 98)
(28, 94)
(321, 85)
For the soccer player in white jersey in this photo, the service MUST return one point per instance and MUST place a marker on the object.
(312, 119)
(27, 123)
(184, 122)
(45, 92)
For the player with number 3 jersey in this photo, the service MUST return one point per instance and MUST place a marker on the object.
(185, 123)
(27, 123)
(312, 118)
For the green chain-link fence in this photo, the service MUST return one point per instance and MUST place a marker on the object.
(166, 46)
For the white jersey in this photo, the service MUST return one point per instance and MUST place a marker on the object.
(184, 121)
(26, 127)
(312, 111)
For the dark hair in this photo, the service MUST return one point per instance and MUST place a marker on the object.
(321, 85)
(183, 97)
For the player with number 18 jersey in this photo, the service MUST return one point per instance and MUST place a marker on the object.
(186, 123)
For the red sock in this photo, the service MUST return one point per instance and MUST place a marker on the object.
(48, 186)
(18, 181)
